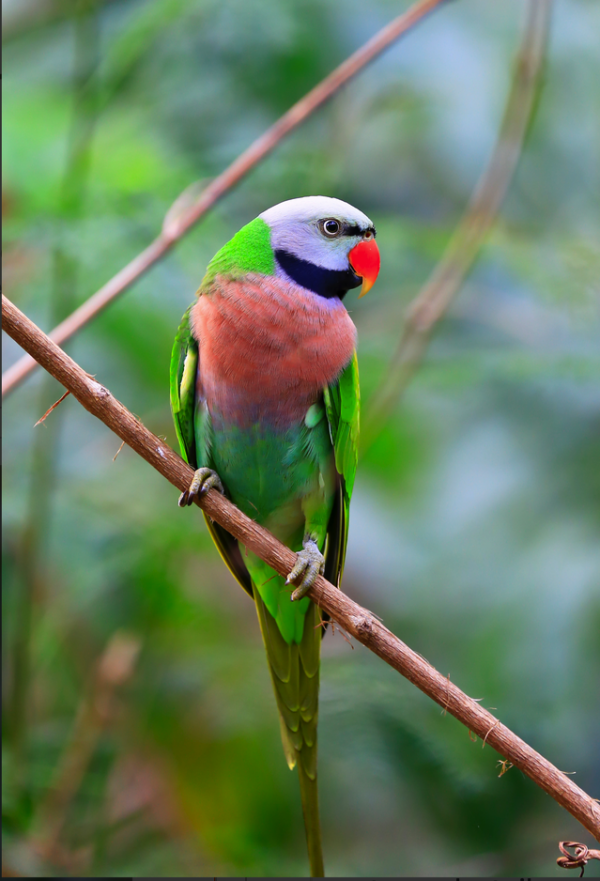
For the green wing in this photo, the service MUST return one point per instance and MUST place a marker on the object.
(192, 424)
(184, 368)
(342, 405)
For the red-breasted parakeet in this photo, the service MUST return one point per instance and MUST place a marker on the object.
(265, 398)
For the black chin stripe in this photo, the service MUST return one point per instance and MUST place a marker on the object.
(324, 282)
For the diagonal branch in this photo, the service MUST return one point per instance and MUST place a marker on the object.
(359, 622)
(434, 299)
(175, 228)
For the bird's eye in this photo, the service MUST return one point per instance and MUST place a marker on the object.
(331, 227)
(368, 234)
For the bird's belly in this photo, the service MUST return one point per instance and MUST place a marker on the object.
(273, 477)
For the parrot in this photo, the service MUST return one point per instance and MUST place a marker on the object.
(265, 399)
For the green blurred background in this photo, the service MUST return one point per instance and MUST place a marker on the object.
(140, 732)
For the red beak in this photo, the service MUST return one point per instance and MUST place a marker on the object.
(365, 260)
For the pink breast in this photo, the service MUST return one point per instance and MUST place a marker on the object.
(268, 348)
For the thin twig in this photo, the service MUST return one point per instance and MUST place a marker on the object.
(179, 224)
(118, 451)
(355, 620)
(50, 409)
(432, 302)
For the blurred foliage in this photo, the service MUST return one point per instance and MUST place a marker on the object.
(476, 512)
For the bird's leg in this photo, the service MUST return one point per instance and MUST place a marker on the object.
(203, 480)
(310, 562)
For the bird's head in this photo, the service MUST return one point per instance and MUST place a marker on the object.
(324, 245)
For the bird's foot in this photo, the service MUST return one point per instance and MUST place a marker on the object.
(310, 562)
(203, 480)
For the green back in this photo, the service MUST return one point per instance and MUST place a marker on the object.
(248, 251)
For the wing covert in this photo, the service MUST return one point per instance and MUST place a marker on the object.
(184, 368)
(342, 406)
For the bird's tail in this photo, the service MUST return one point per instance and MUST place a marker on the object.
(294, 671)
(312, 825)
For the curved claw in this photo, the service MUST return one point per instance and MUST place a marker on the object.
(203, 480)
(310, 562)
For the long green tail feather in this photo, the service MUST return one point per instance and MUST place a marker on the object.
(312, 825)
(294, 669)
